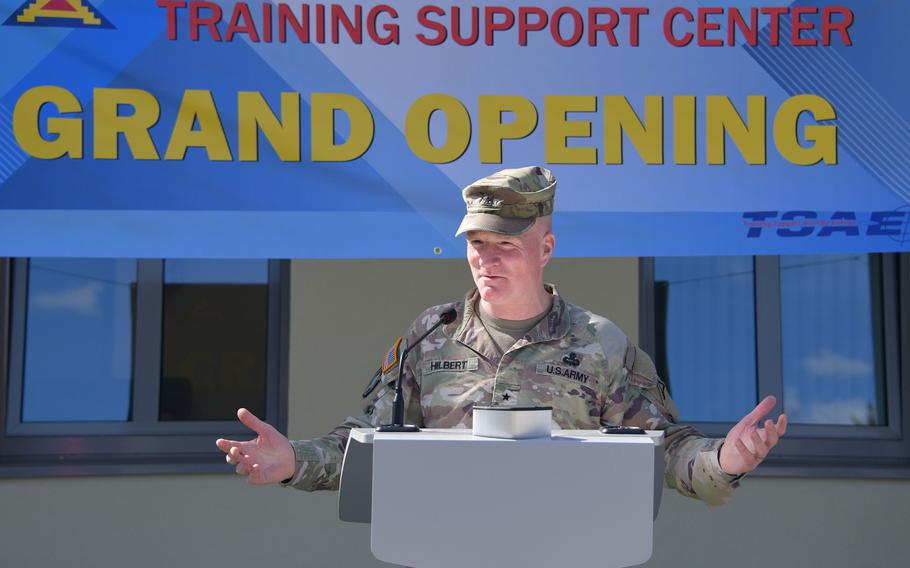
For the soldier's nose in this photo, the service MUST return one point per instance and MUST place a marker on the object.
(490, 260)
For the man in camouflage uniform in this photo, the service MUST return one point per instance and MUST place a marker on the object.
(516, 341)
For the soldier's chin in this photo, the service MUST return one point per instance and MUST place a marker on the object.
(491, 294)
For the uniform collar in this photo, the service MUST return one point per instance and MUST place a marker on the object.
(470, 330)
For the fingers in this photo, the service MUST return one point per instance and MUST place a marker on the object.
(760, 410)
(243, 463)
(769, 434)
(759, 447)
(226, 445)
(781, 425)
(250, 420)
(234, 455)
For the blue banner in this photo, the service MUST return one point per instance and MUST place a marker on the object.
(182, 128)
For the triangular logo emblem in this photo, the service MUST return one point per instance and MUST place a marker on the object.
(59, 13)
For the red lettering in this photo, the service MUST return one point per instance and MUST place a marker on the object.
(320, 23)
(525, 26)
(735, 21)
(686, 38)
(301, 28)
(171, 6)
(197, 20)
(578, 23)
(774, 25)
(706, 25)
(798, 25)
(354, 29)
(241, 12)
(491, 26)
(456, 26)
(267, 22)
(426, 22)
(391, 29)
(606, 27)
(634, 14)
(829, 25)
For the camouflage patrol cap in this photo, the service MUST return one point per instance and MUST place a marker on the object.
(509, 201)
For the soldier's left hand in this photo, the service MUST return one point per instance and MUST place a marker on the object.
(747, 444)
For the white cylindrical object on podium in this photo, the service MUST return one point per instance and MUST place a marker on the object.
(514, 422)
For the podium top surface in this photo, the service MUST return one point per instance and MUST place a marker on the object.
(651, 437)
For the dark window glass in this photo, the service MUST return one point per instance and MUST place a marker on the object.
(78, 363)
(705, 335)
(214, 339)
(830, 319)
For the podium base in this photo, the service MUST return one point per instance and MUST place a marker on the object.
(398, 428)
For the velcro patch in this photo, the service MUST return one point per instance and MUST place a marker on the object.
(374, 382)
(391, 357)
(451, 365)
(565, 372)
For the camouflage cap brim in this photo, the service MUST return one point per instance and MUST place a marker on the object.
(494, 224)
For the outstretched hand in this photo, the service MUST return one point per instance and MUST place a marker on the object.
(269, 458)
(747, 445)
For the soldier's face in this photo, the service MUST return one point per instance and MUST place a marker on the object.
(507, 269)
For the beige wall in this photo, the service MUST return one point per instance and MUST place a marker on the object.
(345, 314)
(348, 313)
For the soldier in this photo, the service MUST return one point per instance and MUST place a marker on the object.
(516, 341)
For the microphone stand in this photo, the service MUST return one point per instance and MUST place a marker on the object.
(398, 424)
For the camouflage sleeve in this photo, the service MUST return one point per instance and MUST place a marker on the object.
(318, 461)
(641, 399)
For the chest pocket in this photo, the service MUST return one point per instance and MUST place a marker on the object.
(450, 387)
(572, 391)
(451, 379)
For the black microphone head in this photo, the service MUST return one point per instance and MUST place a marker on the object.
(448, 316)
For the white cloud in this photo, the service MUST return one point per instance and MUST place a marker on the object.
(82, 300)
(830, 364)
(853, 411)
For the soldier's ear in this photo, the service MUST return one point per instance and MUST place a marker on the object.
(547, 247)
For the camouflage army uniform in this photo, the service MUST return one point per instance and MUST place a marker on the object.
(579, 363)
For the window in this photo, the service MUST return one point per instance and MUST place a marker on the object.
(125, 365)
(820, 332)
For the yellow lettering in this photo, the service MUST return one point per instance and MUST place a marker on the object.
(721, 117)
(557, 129)
(824, 137)
(619, 117)
(198, 105)
(68, 131)
(253, 114)
(493, 131)
(135, 127)
(684, 130)
(322, 127)
(458, 128)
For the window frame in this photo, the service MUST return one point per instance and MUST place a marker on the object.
(145, 444)
(829, 450)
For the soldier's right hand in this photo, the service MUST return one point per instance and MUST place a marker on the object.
(269, 458)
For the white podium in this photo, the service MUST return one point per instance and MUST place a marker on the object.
(448, 499)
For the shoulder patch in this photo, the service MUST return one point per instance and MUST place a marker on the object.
(391, 357)
(640, 368)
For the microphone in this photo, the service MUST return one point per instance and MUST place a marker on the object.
(398, 424)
